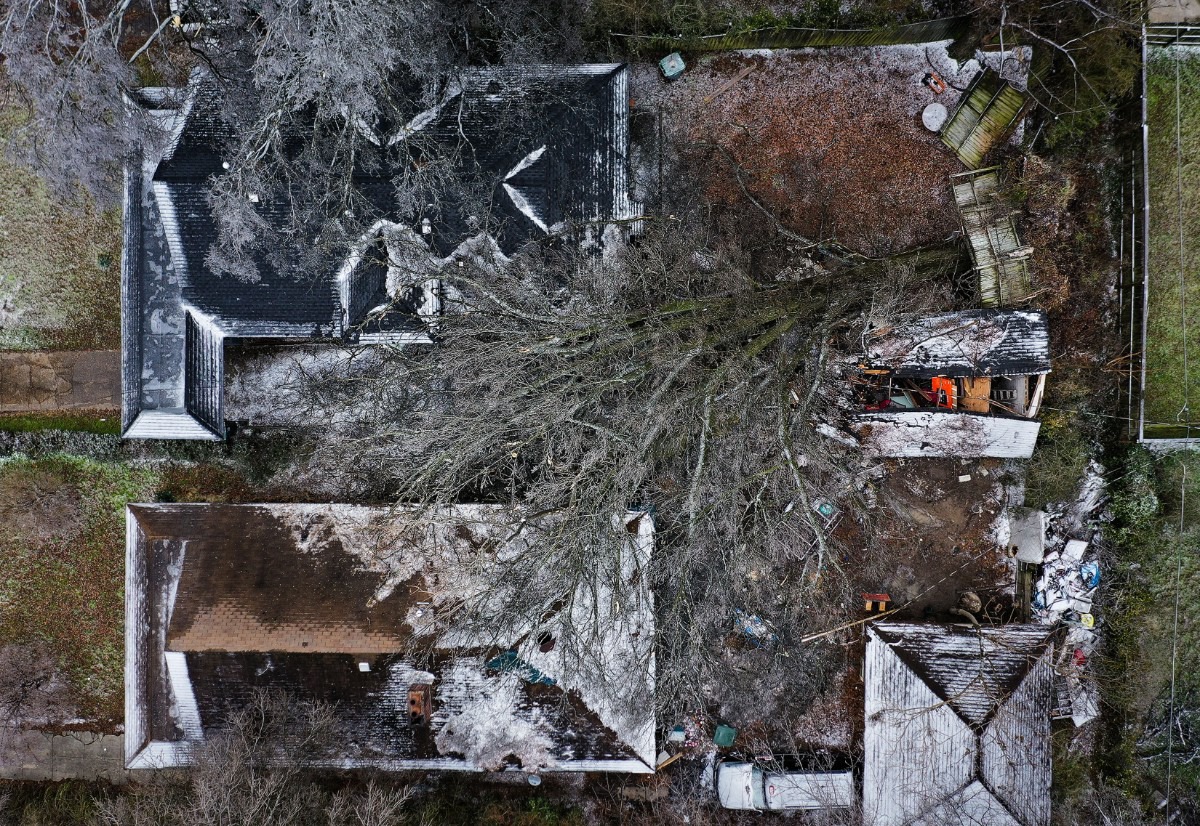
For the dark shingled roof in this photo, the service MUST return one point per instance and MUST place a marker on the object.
(226, 599)
(538, 145)
(966, 344)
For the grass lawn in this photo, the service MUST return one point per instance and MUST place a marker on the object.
(60, 265)
(62, 553)
(1166, 390)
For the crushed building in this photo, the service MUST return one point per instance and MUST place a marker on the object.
(966, 384)
(347, 605)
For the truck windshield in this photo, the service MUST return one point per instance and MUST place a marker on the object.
(758, 786)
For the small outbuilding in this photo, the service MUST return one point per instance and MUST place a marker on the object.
(957, 725)
(965, 384)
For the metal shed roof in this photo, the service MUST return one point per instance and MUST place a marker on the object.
(957, 725)
(971, 343)
(986, 113)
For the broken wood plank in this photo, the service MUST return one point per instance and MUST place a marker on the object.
(727, 85)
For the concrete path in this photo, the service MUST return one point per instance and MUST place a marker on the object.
(1174, 11)
(36, 755)
(53, 381)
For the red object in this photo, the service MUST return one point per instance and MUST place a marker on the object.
(934, 81)
(420, 704)
(1080, 658)
(944, 392)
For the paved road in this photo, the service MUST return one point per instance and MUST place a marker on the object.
(36, 755)
(67, 380)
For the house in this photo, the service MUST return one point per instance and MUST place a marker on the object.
(347, 605)
(1002, 262)
(957, 725)
(546, 150)
(965, 384)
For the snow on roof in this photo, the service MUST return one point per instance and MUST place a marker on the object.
(945, 434)
(551, 140)
(228, 597)
(972, 343)
(957, 725)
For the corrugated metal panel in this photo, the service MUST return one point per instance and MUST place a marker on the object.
(1016, 762)
(927, 764)
(945, 434)
(1001, 261)
(986, 113)
(971, 343)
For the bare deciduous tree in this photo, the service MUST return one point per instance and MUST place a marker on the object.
(259, 771)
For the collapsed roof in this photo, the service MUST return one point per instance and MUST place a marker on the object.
(971, 343)
(345, 604)
(549, 143)
(957, 725)
(940, 434)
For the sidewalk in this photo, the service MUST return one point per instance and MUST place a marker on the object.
(36, 755)
(68, 380)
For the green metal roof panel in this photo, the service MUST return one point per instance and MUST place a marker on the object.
(986, 113)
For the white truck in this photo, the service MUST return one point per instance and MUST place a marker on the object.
(749, 786)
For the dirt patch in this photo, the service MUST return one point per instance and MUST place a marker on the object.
(830, 141)
(931, 539)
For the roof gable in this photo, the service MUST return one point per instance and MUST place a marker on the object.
(957, 725)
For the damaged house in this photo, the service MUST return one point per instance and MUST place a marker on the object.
(547, 151)
(957, 725)
(966, 384)
(350, 606)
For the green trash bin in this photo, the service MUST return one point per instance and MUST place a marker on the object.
(724, 736)
(672, 65)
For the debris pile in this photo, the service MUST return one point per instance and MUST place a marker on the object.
(1065, 593)
(1067, 586)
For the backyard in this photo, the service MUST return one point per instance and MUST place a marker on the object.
(1173, 115)
(60, 263)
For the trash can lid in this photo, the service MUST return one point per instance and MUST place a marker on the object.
(934, 117)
